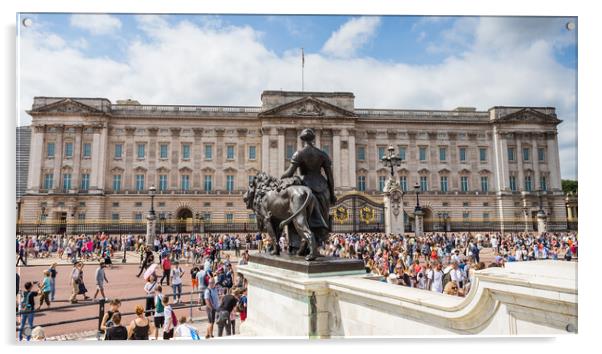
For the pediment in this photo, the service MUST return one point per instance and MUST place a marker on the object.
(66, 106)
(528, 115)
(309, 107)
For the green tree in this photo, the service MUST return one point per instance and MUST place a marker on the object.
(569, 185)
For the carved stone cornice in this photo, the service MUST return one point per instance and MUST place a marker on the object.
(129, 131)
(281, 131)
(152, 131)
(242, 132)
(198, 132)
(336, 131)
(38, 128)
(219, 132)
(392, 135)
(371, 133)
(351, 131)
(175, 132)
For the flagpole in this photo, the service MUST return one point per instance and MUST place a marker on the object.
(302, 70)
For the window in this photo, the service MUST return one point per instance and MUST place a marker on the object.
(423, 184)
(252, 217)
(208, 152)
(208, 183)
(543, 185)
(381, 152)
(161, 204)
(485, 204)
(526, 153)
(462, 154)
(484, 184)
(465, 216)
(116, 184)
(289, 151)
(162, 182)
(422, 153)
(465, 204)
(229, 218)
(67, 181)
(141, 148)
(206, 204)
(230, 183)
(87, 150)
(50, 150)
(464, 183)
(252, 152)
(326, 149)
(138, 216)
(528, 184)
(185, 182)
(485, 216)
(511, 156)
(230, 152)
(138, 204)
(48, 181)
(186, 151)
(361, 153)
(81, 216)
(442, 154)
(115, 217)
(443, 183)
(381, 183)
(118, 150)
(251, 180)
(483, 154)
(361, 183)
(163, 151)
(402, 153)
(115, 204)
(85, 182)
(513, 183)
(229, 204)
(68, 150)
(541, 154)
(139, 182)
(403, 182)
(207, 216)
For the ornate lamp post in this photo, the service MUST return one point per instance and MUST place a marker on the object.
(151, 217)
(541, 215)
(123, 240)
(391, 160)
(418, 215)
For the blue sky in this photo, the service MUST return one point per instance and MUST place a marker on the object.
(387, 61)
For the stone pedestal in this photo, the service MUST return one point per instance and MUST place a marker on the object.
(150, 230)
(294, 302)
(394, 223)
(542, 225)
(419, 219)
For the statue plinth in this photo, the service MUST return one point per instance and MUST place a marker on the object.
(299, 264)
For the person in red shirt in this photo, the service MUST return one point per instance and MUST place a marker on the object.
(166, 266)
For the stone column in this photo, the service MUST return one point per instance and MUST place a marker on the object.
(130, 152)
(220, 182)
(281, 152)
(419, 228)
(152, 157)
(336, 157)
(318, 133)
(352, 159)
(241, 175)
(535, 162)
(94, 166)
(520, 167)
(77, 155)
(58, 158)
(36, 158)
(102, 156)
(150, 229)
(197, 157)
(299, 142)
(265, 149)
(502, 166)
(553, 165)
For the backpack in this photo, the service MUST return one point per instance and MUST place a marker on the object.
(25, 304)
(446, 279)
(206, 278)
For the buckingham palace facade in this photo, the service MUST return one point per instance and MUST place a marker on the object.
(93, 161)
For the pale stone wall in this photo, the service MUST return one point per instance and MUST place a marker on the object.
(340, 128)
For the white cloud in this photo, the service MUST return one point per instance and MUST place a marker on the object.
(191, 64)
(351, 36)
(96, 24)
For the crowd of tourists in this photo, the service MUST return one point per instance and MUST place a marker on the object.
(445, 262)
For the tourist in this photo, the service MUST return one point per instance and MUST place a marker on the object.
(53, 273)
(225, 313)
(203, 277)
(170, 319)
(100, 277)
(140, 328)
(242, 305)
(176, 276)
(159, 317)
(212, 302)
(21, 254)
(166, 267)
(149, 289)
(45, 289)
(186, 331)
(27, 308)
(193, 279)
(107, 319)
(117, 331)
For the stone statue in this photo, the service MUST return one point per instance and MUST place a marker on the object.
(279, 202)
(302, 200)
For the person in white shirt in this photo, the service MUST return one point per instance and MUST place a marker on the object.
(457, 276)
(185, 331)
(437, 278)
(168, 327)
(176, 283)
